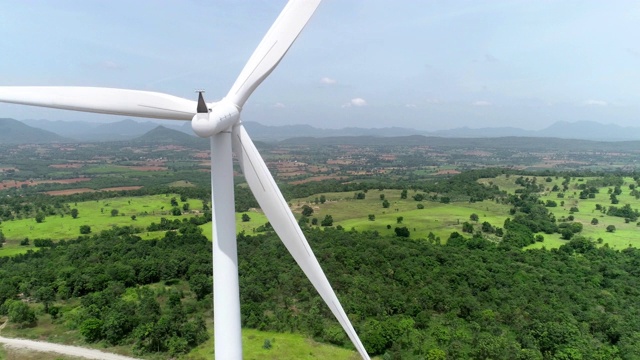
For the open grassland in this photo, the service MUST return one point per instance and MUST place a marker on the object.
(257, 219)
(625, 235)
(441, 219)
(350, 213)
(97, 215)
(284, 346)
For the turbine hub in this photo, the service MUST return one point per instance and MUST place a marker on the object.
(221, 116)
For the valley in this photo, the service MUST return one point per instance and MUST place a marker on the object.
(427, 243)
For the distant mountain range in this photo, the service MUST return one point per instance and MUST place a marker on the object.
(16, 132)
(87, 131)
(163, 135)
(129, 129)
(583, 130)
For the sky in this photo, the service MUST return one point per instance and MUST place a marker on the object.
(422, 64)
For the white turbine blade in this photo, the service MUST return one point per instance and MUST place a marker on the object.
(272, 48)
(272, 202)
(102, 100)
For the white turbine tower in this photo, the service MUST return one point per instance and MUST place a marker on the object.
(221, 123)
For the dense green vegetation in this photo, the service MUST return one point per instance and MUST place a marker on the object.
(407, 298)
(433, 254)
(110, 273)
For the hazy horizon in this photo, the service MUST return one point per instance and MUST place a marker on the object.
(425, 65)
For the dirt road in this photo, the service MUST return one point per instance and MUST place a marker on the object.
(61, 349)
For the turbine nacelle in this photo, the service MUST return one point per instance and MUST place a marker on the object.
(218, 117)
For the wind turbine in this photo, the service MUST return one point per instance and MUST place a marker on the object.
(220, 121)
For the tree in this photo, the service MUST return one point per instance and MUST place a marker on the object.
(307, 210)
(20, 313)
(403, 194)
(91, 329)
(467, 227)
(39, 217)
(327, 221)
(114, 212)
(611, 228)
(185, 207)
(360, 195)
(381, 196)
(245, 218)
(566, 234)
(74, 213)
(385, 204)
(399, 219)
(201, 285)
(402, 231)
(594, 221)
(85, 229)
(2, 237)
(46, 295)
(314, 221)
(474, 217)
(372, 217)
(323, 199)
(174, 202)
(175, 211)
(134, 217)
(420, 206)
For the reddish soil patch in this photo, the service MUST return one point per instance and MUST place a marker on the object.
(340, 162)
(86, 190)
(478, 153)
(16, 184)
(69, 191)
(122, 188)
(63, 181)
(66, 166)
(317, 178)
(292, 173)
(448, 172)
(147, 168)
(170, 147)
(201, 155)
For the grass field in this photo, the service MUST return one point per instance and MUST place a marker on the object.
(96, 214)
(441, 219)
(284, 346)
(626, 234)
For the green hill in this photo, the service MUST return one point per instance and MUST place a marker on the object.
(15, 132)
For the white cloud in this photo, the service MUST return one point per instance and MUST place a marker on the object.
(279, 105)
(410, 105)
(596, 103)
(481, 103)
(328, 81)
(357, 102)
